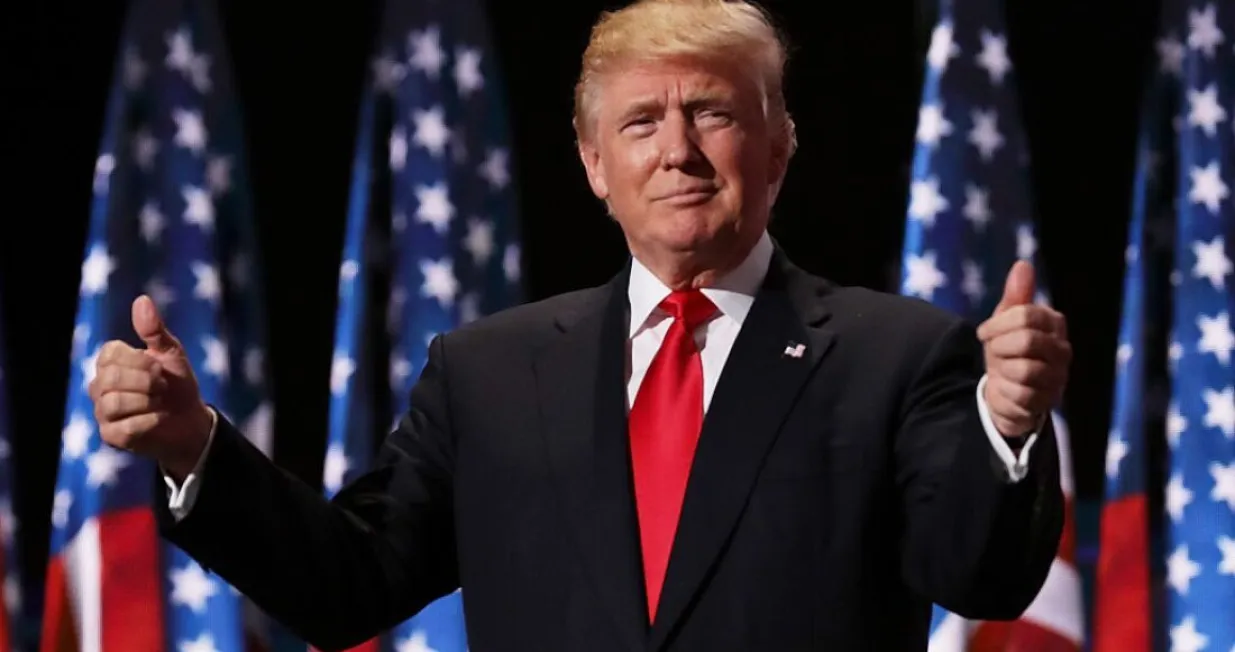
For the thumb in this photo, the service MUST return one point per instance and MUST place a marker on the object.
(150, 327)
(1019, 288)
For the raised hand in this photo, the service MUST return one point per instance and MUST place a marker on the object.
(1027, 356)
(146, 400)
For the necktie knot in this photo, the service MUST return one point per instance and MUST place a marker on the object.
(689, 307)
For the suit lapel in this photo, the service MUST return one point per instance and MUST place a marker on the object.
(586, 437)
(759, 385)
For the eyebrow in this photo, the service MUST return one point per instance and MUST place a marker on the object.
(647, 105)
(651, 105)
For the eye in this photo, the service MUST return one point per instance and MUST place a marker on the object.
(714, 117)
(641, 125)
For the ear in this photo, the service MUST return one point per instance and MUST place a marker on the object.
(783, 146)
(594, 167)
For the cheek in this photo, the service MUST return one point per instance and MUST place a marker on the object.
(630, 169)
(731, 156)
(756, 172)
(752, 156)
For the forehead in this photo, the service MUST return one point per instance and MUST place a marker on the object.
(672, 81)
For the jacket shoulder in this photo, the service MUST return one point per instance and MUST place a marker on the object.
(901, 336)
(868, 311)
(867, 307)
(525, 323)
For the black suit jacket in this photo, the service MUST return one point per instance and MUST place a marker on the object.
(833, 496)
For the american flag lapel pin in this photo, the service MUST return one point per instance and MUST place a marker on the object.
(795, 350)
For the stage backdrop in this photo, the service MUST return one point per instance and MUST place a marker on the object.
(854, 87)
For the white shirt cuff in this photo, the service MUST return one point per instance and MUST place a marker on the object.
(1017, 465)
(180, 498)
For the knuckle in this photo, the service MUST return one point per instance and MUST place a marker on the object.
(99, 379)
(1022, 395)
(1021, 370)
(112, 375)
(1011, 390)
(112, 434)
(1008, 370)
(130, 431)
(139, 381)
(106, 352)
(113, 404)
(1043, 319)
(144, 361)
(1017, 317)
(124, 437)
(112, 351)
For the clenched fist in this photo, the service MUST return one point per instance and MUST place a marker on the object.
(1027, 356)
(146, 400)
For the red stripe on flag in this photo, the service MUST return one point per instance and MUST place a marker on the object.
(59, 634)
(1122, 611)
(132, 599)
(1018, 636)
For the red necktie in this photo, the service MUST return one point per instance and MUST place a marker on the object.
(665, 421)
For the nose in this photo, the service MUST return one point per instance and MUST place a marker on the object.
(678, 147)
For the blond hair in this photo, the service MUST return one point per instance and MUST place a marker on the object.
(727, 30)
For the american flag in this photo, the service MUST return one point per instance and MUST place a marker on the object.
(440, 232)
(1181, 220)
(969, 218)
(170, 218)
(1200, 494)
(1125, 596)
(11, 611)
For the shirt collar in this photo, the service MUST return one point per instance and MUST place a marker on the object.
(733, 293)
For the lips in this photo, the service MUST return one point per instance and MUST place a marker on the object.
(688, 199)
(689, 194)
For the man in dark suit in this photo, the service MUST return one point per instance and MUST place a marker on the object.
(714, 451)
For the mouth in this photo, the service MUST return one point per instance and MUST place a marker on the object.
(688, 196)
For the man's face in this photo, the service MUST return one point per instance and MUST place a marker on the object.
(682, 153)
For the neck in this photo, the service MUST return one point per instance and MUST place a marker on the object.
(680, 270)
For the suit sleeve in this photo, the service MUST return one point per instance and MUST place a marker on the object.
(974, 543)
(334, 572)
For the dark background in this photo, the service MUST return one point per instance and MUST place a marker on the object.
(853, 87)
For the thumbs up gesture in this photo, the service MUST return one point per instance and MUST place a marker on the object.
(1027, 356)
(146, 401)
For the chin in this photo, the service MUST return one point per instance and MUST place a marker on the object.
(686, 232)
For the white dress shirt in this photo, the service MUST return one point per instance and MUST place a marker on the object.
(733, 294)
